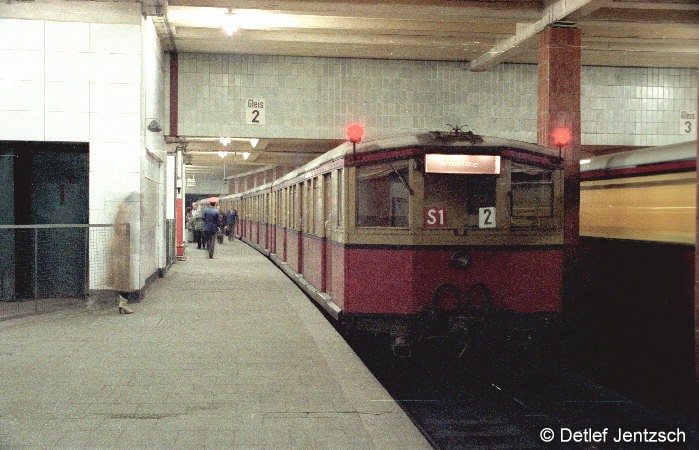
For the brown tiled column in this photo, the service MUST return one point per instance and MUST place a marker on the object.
(559, 107)
(174, 83)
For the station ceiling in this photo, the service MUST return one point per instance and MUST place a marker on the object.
(484, 33)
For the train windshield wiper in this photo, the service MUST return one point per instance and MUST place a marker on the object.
(405, 183)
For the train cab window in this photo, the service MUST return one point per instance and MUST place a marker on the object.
(460, 197)
(382, 197)
(532, 192)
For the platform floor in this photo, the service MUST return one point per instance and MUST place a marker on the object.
(222, 352)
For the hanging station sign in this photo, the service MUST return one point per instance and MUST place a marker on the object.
(688, 122)
(462, 164)
(255, 111)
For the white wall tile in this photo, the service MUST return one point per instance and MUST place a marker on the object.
(67, 37)
(21, 34)
(22, 125)
(25, 65)
(115, 38)
(67, 96)
(67, 126)
(118, 185)
(67, 66)
(115, 68)
(113, 97)
(114, 157)
(113, 127)
(21, 95)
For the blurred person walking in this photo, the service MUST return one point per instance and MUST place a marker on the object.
(119, 270)
(211, 218)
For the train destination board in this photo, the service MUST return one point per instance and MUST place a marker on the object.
(462, 164)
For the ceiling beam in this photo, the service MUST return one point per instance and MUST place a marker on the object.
(480, 41)
(390, 9)
(552, 13)
(363, 24)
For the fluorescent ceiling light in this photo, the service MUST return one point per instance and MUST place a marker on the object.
(230, 23)
(217, 17)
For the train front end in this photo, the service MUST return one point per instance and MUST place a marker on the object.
(452, 225)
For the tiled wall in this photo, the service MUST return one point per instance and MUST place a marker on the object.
(636, 106)
(86, 82)
(76, 82)
(318, 97)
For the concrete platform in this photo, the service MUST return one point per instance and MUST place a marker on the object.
(222, 352)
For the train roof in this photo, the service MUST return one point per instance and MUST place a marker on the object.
(682, 151)
(261, 187)
(437, 140)
(434, 139)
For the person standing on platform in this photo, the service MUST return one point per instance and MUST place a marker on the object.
(211, 223)
(119, 269)
(229, 224)
(189, 225)
(198, 224)
(222, 225)
(234, 222)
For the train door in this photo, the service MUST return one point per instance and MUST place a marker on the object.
(264, 220)
(301, 209)
(328, 212)
(291, 241)
(259, 209)
(274, 213)
(268, 219)
(284, 220)
(315, 231)
(279, 220)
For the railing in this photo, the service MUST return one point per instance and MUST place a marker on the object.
(43, 267)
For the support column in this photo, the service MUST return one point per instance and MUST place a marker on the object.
(559, 108)
(696, 280)
(174, 86)
(179, 157)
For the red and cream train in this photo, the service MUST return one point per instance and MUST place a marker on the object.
(376, 233)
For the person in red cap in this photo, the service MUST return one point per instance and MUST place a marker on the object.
(211, 224)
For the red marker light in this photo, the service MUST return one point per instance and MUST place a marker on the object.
(561, 137)
(355, 133)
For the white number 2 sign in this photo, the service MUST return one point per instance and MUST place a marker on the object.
(486, 217)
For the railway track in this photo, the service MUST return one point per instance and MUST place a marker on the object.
(509, 404)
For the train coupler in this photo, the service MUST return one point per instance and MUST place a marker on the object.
(401, 347)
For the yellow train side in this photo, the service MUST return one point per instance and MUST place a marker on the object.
(659, 208)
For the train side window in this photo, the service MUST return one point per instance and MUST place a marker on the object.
(382, 197)
(293, 209)
(340, 194)
(318, 204)
(532, 191)
(460, 197)
(308, 207)
(286, 207)
(330, 205)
